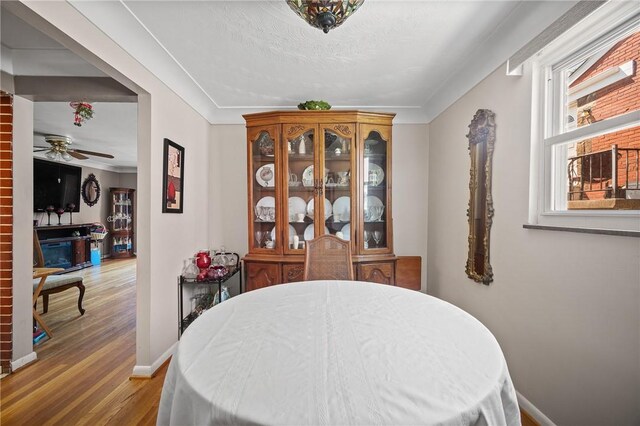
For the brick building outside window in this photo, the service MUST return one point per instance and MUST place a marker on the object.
(601, 87)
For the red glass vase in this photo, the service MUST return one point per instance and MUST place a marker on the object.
(203, 260)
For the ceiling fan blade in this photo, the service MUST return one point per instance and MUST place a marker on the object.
(98, 154)
(40, 149)
(78, 156)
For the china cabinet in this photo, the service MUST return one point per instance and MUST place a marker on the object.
(312, 173)
(121, 220)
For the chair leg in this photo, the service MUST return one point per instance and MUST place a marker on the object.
(80, 308)
(45, 303)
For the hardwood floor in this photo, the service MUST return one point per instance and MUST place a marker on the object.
(82, 374)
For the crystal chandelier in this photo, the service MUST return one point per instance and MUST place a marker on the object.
(324, 14)
(58, 149)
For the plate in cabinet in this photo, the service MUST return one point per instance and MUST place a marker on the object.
(375, 175)
(310, 231)
(266, 175)
(292, 232)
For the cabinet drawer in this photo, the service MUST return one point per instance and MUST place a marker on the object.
(292, 272)
(261, 274)
(382, 273)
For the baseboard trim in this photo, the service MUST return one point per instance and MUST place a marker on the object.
(21, 362)
(148, 371)
(533, 411)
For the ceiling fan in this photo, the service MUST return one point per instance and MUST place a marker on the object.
(60, 149)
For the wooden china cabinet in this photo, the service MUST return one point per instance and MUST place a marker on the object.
(121, 219)
(312, 173)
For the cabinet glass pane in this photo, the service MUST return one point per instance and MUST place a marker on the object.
(301, 189)
(375, 192)
(263, 150)
(121, 222)
(121, 244)
(337, 184)
(121, 214)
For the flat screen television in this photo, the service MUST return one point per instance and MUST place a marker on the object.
(55, 184)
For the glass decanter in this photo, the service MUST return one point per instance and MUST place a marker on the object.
(190, 270)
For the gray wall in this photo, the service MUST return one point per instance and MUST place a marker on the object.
(564, 307)
(99, 212)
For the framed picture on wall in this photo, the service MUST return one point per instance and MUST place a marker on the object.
(173, 178)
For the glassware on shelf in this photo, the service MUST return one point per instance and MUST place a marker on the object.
(259, 235)
(190, 270)
(203, 259)
(50, 209)
(373, 213)
(221, 257)
(232, 261)
(225, 295)
(367, 237)
(71, 207)
(377, 237)
(60, 211)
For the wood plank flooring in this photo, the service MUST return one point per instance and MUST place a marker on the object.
(82, 374)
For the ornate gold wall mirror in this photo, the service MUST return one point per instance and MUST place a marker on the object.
(482, 136)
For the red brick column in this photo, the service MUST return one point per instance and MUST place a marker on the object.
(6, 230)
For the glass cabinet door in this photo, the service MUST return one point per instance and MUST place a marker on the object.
(121, 213)
(121, 219)
(338, 201)
(376, 178)
(263, 183)
(299, 151)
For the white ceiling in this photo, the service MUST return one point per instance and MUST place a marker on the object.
(414, 58)
(227, 58)
(113, 130)
(28, 52)
(260, 54)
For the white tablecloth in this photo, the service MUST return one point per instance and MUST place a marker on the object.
(335, 353)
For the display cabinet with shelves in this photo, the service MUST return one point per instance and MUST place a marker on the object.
(121, 222)
(213, 288)
(315, 172)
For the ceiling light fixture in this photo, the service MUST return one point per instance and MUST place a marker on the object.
(58, 149)
(324, 14)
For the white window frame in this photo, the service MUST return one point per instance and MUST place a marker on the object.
(547, 204)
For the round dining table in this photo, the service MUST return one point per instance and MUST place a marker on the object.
(337, 353)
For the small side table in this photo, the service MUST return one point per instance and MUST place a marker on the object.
(42, 273)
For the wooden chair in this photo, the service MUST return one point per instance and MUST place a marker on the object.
(328, 258)
(54, 283)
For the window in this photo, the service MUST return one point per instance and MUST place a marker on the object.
(587, 164)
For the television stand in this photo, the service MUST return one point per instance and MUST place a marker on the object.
(62, 249)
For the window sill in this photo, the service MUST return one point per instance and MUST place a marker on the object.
(615, 232)
(607, 203)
